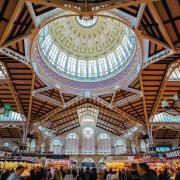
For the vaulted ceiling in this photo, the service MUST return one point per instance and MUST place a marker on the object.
(157, 22)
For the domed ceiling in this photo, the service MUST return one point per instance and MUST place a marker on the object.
(86, 55)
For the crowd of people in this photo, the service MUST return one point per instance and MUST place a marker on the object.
(136, 172)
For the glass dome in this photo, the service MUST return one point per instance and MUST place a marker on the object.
(80, 54)
(86, 54)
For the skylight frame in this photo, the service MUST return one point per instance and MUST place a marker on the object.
(104, 69)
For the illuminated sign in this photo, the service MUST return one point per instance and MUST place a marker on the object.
(173, 154)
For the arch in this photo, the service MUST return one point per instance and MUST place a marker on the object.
(57, 146)
(103, 136)
(72, 143)
(143, 145)
(120, 147)
(6, 145)
(104, 144)
(88, 160)
(72, 136)
(102, 161)
(88, 144)
(32, 145)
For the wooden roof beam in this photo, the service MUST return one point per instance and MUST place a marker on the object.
(30, 108)
(16, 40)
(161, 25)
(60, 108)
(32, 13)
(122, 113)
(144, 101)
(140, 14)
(10, 24)
(14, 92)
(167, 74)
(126, 100)
(73, 7)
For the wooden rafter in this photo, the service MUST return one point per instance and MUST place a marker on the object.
(108, 5)
(144, 101)
(30, 108)
(161, 25)
(140, 14)
(124, 114)
(58, 109)
(14, 92)
(32, 13)
(14, 16)
(167, 74)
(156, 41)
(16, 40)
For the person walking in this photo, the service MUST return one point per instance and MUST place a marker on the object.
(17, 174)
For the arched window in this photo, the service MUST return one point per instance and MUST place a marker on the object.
(42, 147)
(120, 147)
(88, 146)
(6, 145)
(57, 146)
(32, 145)
(143, 146)
(72, 142)
(104, 144)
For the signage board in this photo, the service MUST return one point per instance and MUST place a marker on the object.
(173, 154)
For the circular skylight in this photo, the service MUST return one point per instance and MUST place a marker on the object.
(87, 21)
(76, 54)
(82, 54)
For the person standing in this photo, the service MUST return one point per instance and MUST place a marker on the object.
(17, 174)
(93, 174)
(133, 174)
(68, 175)
(177, 177)
(143, 171)
(57, 175)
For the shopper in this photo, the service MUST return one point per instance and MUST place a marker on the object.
(81, 174)
(108, 177)
(105, 174)
(48, 174)
(114, 176)
(68, 175)
(74, 174)
(93, 174)
(17, 174)
(133, 174)
(166, 174)
(160, 176)
(62, 172)
(143, 171)
(87, 174)
(100, 175)
(57, 175)
(177, 177)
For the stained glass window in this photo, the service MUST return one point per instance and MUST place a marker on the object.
(104, 144)
(82, 68)
(120, 147)
(57, 146)
(61, 62)
(71, 66)
(72, 143)
(88, 145)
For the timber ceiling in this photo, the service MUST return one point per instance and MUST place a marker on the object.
(159, 21)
